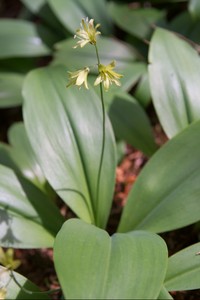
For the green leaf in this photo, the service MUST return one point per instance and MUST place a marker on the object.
(117, 267)
(164, 295)
(27, 218)
(184, 269)
(194, 8)
(137, 22)
(13, 291)
(131, 74)
(23, 156)
(109, 49)
(71, 12)
(33, 6)
(121, 150)
(166, 195)
(174, 81)
(65, 130)
(131, 123)
(19, 38)
(5, 157)
(142, 92)
(185, 24)
(10, 87)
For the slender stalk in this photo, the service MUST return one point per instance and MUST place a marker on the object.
(103, 131)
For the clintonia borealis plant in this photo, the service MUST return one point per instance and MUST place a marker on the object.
(73, 147)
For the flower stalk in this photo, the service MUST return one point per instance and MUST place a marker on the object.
(87, 34)
(103, 131)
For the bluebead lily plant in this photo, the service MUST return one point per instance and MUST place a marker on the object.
(87, 34)
(77, 157)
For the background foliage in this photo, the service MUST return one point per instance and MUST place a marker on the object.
(50, 141)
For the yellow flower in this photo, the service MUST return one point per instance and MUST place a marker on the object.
(87, 33)
(108, 76)
(2, 293)
(7, 259)
(78, 78)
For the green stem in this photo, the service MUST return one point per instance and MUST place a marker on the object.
(103, 132)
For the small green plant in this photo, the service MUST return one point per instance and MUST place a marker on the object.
(66, 147)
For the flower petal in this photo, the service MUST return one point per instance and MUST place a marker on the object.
(98, 80)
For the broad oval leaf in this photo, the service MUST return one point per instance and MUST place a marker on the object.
(109, 49)
(174, 81)
(10, 89)
(185, 25)
(5, 157)
(164, 294)
(23, 156)
(166, 195)
(142, 92)
(137, 22)
(194, 8)
(13, 291)
(34, 6)
(131, 123)
(19, 38)
(183, 271)
(71, 12)
(117, 267)
(28, 219)
(65, 130)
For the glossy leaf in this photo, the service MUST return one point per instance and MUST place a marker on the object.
(109, 49)
(137, 22)
(184, 269)
(164, 295)
(10, 89)
(121, 150)
(64, 126)
(34, 6)
(142, 92)
(52, 23)
(19, 38)
(194, 8)
(27, 218)
(5, 157)
(166, 195)
(131, 123)
(185, 24)
(174, 81)
(23, 156)
(131, 74)
(71, 12)
(117, 267)
(13, 291)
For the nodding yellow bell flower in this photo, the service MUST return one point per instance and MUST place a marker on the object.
(107, 76)
(3, 293)
(79, 77)
(87, 33)
(7, 259)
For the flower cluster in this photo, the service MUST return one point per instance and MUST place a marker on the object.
(7, 259)
(88, 34)
(78, 77)
(108, 76)
(3, 293)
